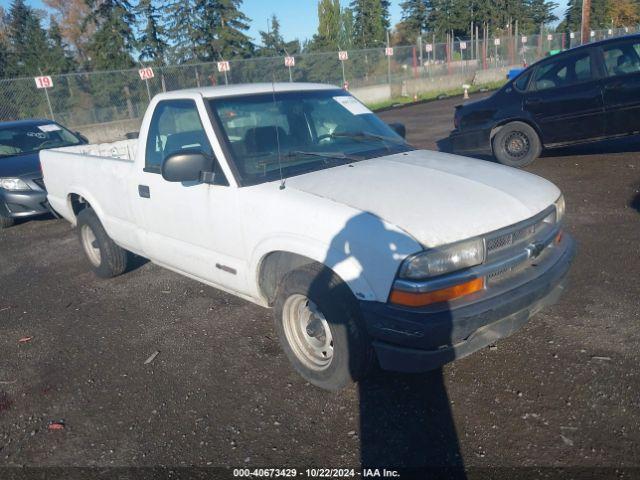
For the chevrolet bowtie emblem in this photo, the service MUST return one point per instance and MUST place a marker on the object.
(535, 249)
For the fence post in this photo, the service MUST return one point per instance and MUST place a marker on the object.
(415, 63)
(388, 63)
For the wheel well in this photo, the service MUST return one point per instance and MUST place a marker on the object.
(78, 203)
(495, 129)
(274, 267)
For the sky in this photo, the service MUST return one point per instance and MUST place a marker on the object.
(298, 18)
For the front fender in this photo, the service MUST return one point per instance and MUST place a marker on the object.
(347, 268)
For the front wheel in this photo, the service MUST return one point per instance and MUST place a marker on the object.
(319, 327)
(105, 257)
(516, 145)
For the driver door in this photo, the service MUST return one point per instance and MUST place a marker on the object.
(565, 99)
(192, 227)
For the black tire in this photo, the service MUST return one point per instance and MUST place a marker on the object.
(112, 259)
(6, 222)
(352, 355)
(516, 145)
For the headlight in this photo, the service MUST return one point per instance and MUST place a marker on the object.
(439, 261)
(560, 206)
(13, 184)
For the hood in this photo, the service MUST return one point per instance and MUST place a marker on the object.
(435, 197)
(20, 165)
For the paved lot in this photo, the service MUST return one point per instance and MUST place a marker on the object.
(563, 391)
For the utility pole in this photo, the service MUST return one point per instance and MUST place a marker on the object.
(586, 20)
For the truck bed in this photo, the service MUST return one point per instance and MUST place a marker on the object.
(100, 174)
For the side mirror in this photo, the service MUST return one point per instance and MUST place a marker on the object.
(82, 137)
(399, 128)
(187, 166)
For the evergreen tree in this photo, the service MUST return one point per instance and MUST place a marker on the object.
(573, 16)
(272, 42)
(27, 43)
(541, 11)
(329, 26)
(181, 30)
(368, 23)
(152, 42)
(59, 59)
(4, 44)
(346, 35)
(386, 16)
(113, 42)
(415, 18)
(217, 30)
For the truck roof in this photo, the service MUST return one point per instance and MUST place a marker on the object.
(246, 88)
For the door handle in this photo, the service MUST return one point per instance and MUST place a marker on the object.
(534, 101)
(143, 191)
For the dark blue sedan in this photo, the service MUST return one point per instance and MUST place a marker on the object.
(22, 191)
(585, 94)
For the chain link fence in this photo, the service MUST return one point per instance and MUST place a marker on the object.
(93, 101)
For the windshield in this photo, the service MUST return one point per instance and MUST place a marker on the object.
(314, 130)
(21, 139)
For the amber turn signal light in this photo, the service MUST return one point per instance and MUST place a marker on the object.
(410, 299)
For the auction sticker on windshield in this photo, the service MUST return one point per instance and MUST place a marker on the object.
(353, 105)
(49, 128)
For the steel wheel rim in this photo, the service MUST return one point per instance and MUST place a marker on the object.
(90, 245)
(307, 332)
(517, 144)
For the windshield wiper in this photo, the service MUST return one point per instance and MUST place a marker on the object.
(368, 136)
(334, 156)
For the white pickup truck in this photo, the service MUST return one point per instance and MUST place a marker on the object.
(297, 197)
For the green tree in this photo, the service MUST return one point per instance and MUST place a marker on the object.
(113, 42)
(181, 30)
(573, 15)
(368, 23)
(329, 26)
(4, 44)
(59, 58)
(219, 32)
(273, 43)
(541, 11)
(152, 43)
(415, 18)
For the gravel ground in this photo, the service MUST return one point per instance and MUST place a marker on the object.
(563, 391)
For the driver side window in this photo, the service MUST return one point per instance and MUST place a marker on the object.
(175, 126)
(563, 72)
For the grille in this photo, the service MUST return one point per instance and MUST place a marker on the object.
(39, 182)
(515, 237)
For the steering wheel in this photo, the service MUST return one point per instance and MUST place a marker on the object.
(47, 142)
(324, 136)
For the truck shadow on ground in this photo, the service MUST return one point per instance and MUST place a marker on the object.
(405, 419)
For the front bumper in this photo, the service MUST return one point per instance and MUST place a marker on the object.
(415, 340)
(23, 203)
(470, 141)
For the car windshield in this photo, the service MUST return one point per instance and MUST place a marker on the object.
(291, 133)
(21, 139)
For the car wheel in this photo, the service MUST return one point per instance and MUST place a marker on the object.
(318, 323)
(105, 257)
(516, 144)
(6, 222)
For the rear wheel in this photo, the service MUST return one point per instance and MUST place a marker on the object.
(318, 324)
(6, 222)
(516, 144)
(105, 257)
